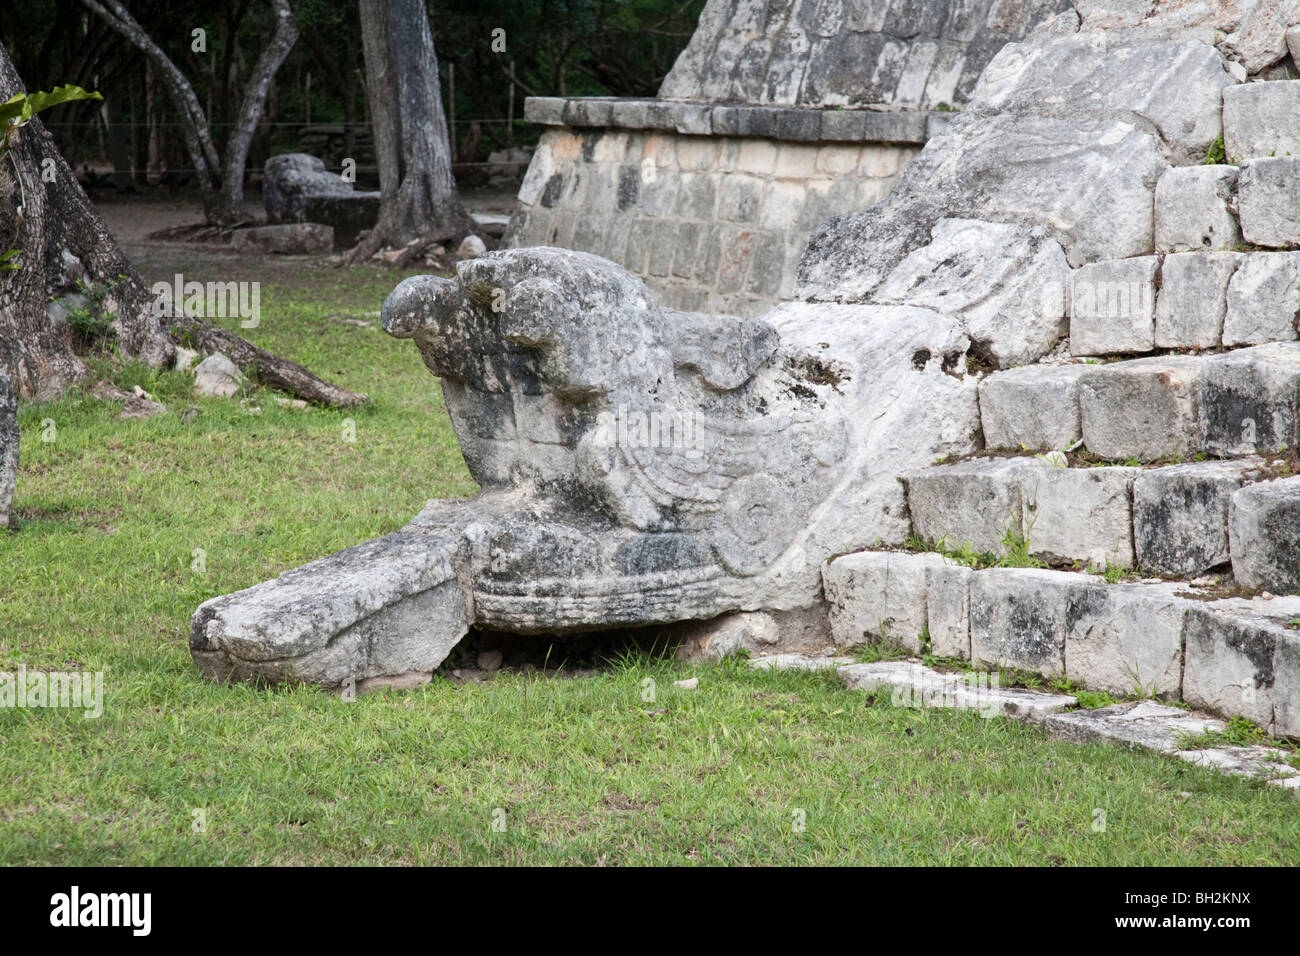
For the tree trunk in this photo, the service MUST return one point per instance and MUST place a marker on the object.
(250, 111)
(418, 198)
(49, 218)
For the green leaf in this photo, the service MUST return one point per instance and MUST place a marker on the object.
(18, 110)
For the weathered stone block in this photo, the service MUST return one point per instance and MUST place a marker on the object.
(1286, 684)
(8, 447)
(948, 610)
(1126, 638)
(1180, 515)
(1264, 529)
(878, 596)
(1263, 299)
(1018, 618)
(1112, 306)
(544, 110)
(1249, 399)
(1228, 666)
(1192, 302)
(1080, 514)
(1032, 407)
(972, 503)
(1193, 211)
(1144, 408)
(1269, 201)
(1007, 285)
(1261, 119)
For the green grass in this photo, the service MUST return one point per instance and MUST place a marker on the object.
(97, 576)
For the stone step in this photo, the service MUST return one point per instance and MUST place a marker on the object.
(1238, 402)
(1197, 298)
(1230, 656)
(1177, 520)
(1143, 724)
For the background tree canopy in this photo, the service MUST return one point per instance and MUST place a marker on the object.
(317, 102)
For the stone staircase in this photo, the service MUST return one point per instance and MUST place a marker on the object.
(1159, 440)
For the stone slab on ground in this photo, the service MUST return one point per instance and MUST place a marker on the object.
(1193, 211)
(290, 239)
(1269, 203)
(1035, 407)
(1263, 299)
(914, 685)
(1250, 400)
(218, 377)
(1112, 306)
(1180, 515)
(1261, 119)
(1080, 514)
(1143, 408)
(1146, 724)
(974, 502)
(1264, 531)
(1192, 303)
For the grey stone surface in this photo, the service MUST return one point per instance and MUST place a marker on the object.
(1263, 299)
(1033, 407)
(1146, 724)
(1194, 209)
(1018, 618)
(295, 238)
(1007, 285)
(1193, 298)
(1126, 639)
(914, 685)
(1261, 119)
(1265, 763)
(947, 609)
(8, 447)
(1228, 667)
(891, 52)
(1264, 530)
(1286, 681)
(1080, 514)
(1100, 111)
(218, 377)
(1250, 399)
(1258, 38)
(298, 188)
(973, 503)
(1143, 408)
(1180, 515)
(1269, 202)
(879, 597)
(1112, 306)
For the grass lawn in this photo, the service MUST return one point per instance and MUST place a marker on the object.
(100, 575)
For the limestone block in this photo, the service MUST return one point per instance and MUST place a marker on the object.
(1018, 618)
(1033, 407)
(1192, 302)
(1008, 285)
(1080, 514)
(1126, 638)
(1112, 306)
(1142, 408)
(1249, 399)
(948, 609)
(1264, 529)
(1180, 515)
(1228, 666)
(1263, 299)
(1269, 201)
(1193, 209)
(879, 597)
(1261, 119)
(973, 503)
